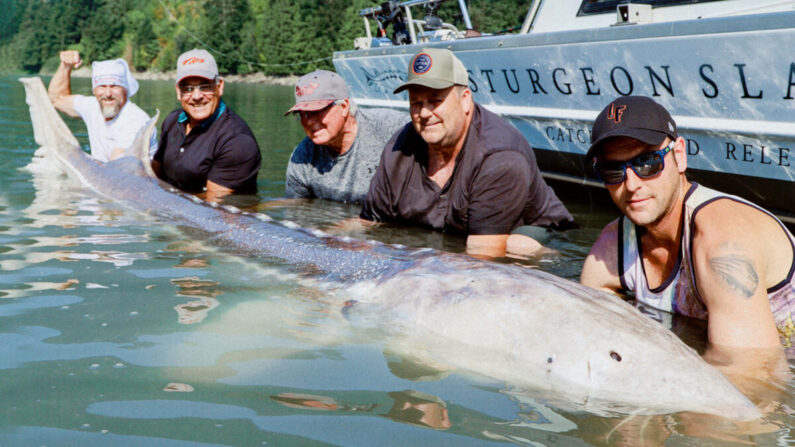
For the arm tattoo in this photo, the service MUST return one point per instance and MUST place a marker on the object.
(738, 273)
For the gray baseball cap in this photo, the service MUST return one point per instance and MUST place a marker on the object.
(198, 63)
(316, 90)
(435, 68)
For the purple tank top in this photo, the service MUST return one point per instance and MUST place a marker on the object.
(678, 293)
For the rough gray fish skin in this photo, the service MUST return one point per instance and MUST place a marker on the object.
(527, 328)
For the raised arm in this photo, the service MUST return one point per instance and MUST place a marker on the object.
(60, 89)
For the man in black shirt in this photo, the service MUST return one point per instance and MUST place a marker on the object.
(459, 168)
(205, 147)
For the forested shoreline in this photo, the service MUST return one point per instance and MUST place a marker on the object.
(271, 37)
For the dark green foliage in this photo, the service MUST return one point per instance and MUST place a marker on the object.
(275, 37)
(102, 38)
(10, 18)
(145, 45)
(224, 27)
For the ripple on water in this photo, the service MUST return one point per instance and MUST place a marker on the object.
(17, 307)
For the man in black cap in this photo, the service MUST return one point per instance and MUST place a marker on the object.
(687, 249)
(459, 168)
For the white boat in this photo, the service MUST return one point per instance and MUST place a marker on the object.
(724, 69)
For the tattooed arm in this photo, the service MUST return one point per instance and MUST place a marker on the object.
(735, 249)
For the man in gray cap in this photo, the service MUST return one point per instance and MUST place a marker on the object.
(459, 168)
(683, 248)
(205, 147)
(343, 143)
(111, 120)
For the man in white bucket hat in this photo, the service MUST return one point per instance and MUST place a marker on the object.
(112, 121)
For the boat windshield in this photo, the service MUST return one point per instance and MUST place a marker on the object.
(601, 6)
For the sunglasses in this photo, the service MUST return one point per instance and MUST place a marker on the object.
(644, 165)
(204, 89)
(301, 115)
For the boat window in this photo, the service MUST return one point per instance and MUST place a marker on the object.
(589, 7)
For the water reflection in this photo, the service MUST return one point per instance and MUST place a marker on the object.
(420, 409)
(178, 388)
(682, 428)
(195, 311)
(30, 288)
(117, 258)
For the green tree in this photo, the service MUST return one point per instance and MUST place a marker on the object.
(277, 39)
(33, 41)
(140, 32)
(224, 27)
(11, 18)
(102, 37)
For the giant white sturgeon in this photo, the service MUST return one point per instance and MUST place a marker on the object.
(524, 327)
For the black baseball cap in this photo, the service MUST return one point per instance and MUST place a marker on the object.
(637, 117)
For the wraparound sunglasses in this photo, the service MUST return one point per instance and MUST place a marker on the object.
(644, 165)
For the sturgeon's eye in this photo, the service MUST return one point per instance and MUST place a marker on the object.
(615, 356)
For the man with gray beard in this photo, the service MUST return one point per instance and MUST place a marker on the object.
(111, 120)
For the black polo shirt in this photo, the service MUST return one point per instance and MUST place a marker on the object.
(495, 187)
(222, 149)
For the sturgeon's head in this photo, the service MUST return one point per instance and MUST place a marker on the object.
(648, 367)
(536, 331)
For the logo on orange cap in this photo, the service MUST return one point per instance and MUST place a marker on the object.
(192, 60)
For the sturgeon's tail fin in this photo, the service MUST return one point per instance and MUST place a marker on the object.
(140, 148)
(49, 129)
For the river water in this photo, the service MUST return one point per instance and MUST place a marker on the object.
(116, 329)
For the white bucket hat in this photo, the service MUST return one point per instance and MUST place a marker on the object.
(113, 72)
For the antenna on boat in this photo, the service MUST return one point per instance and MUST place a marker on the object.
(432, 21)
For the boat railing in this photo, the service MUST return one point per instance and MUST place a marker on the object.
(407, 30)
